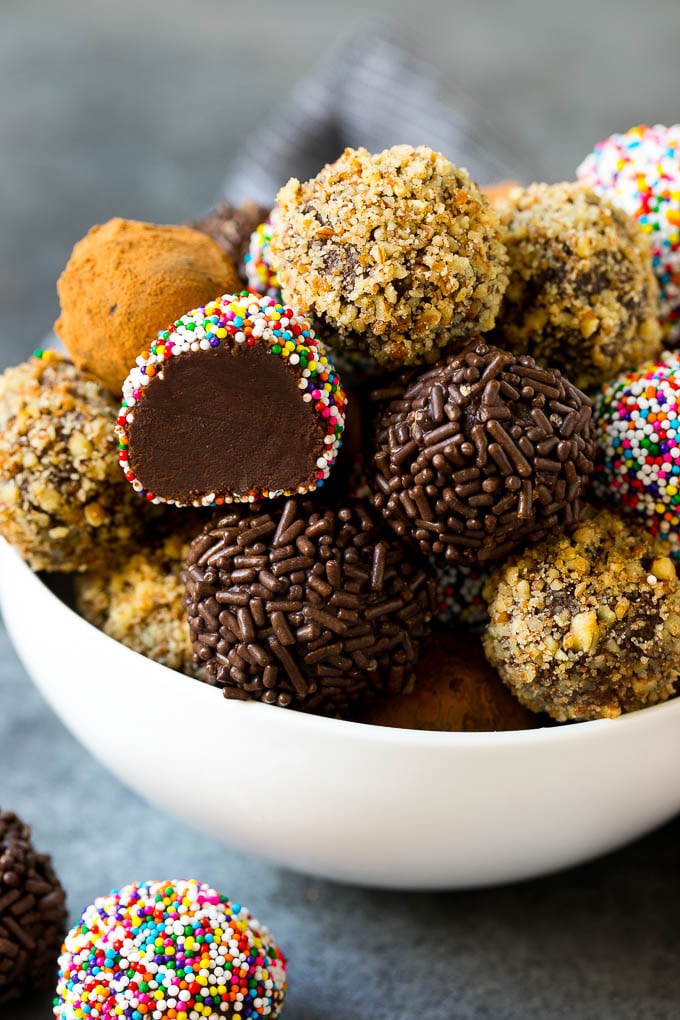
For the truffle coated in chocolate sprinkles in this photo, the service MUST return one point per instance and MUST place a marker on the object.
(327, 610)
(32, 913)
(483, 451)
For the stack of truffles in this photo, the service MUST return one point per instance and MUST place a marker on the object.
(394, 414)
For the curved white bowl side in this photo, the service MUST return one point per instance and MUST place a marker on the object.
(364, 804)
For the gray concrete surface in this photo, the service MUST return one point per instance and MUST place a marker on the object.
(135, 109)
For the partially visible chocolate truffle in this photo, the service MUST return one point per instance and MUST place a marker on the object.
(237, 401)
(396, 254)
(306, 606)
(232, 226)
(32, 913)
(456, 689)
(582, 295)
(587, 625)
(63, 502)
(124, 281)
(484, 451)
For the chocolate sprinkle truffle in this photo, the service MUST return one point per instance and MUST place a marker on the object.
(587, 625)
(306, 607)
(396, 254)
(32, 913)
(63, 502)
(582, 295)
(482, 452)
(237, 401)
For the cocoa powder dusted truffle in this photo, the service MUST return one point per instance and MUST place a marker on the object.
(587, 625)
(32, 913)
(482, 452)
(126, 280)
(237, 401)
(582, 295)
(306, 606)
(397, 254)
(63, 502)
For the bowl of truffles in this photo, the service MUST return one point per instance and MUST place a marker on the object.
(347, 531)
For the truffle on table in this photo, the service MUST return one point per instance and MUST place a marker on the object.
(32, 913)
(582, 295)
(175, 949)
(396, 254)
(124, 282)
(483, 451)
(456, 689)
(587, 625)
(140, 602)
(237, 401)
(63, 502)
(306, 606)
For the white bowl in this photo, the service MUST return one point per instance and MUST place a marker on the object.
(347, 801)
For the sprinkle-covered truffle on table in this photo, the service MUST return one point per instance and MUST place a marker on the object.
(169, 949)
(639, 171)
(236, 401)
(260, 271)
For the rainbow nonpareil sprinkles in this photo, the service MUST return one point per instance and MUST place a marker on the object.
(260, 272)
(637, 420)
(244, 320)
(176, 950)
(639, 171)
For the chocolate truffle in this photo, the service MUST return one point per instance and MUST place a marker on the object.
(232, 226)
(140, 603)
(639, 171)
(63, 502)
(460, 602)
(456, 689)
(582, 295)
(32, 913)
(397, 254)
(587, 625)
(482, 452)
(237, 401)
(312, 607)
(127, 280)
(637, 431)
(175, 949)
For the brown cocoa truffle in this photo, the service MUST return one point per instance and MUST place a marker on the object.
(64, 503)
(306, 606)
(32, 913)
(127, 280)
(455, 689)
(396, 254)
(582, 295)
(483, 451)
(587, 625)
(500, 190)
(231, 227)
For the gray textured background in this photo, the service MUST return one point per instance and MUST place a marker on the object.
(135, 109)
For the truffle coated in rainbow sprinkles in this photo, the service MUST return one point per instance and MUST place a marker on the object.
(244, 319)
(459, 596)
(637, 422)
(260, 273)
(639, 171)
(169, 949)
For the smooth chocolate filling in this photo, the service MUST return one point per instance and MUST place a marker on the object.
(224, 421)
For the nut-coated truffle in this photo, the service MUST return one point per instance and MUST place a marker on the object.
(582, 295)
(483, 451)
(397, 254)
(306, 606)
(63, 501)
(124, 282)
(32, 913)
(587, 625)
